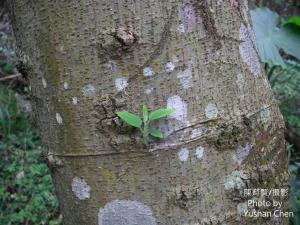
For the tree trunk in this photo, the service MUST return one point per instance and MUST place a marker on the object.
(88, 59)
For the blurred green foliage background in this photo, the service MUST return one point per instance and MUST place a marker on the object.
(27, 194)
(26, 190)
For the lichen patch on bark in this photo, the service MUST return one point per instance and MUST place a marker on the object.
(248, 52)
(74, 100)
(241, 153)
(211, 111)
(181, 28)
(121, 83)
(175, 102)
(125, 212)
(88, 90)
(187, 15)
(242, 208)
(197, 132)
(240, 81)
(169, 67)
(183, 154)
(44, 82)
(66, 85)
(199, 152)
(148, 72)
(234, 183)
(186, 78)
(265, 115)
(80, 188)
(59, 119)
(148, 91)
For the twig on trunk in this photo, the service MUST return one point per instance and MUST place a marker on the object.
(10, 77)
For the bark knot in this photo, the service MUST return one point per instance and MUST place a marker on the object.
(228, 137)
(24, 65)
(116, 44)
(106, 107)
(125, 36)
(52, 160)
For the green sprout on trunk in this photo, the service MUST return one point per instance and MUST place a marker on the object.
(143, 123)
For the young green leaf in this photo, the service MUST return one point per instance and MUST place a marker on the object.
(159, 113)
(295, 20)
(145, 114)
(130, 118)
(156, 133)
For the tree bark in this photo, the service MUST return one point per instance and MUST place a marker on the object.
(88, 59)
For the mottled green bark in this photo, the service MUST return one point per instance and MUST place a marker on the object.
(87, 59)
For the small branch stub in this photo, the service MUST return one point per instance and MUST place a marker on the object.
(125, 36)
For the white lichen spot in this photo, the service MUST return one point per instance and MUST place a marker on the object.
(148, 72)
(121, 83)
(61, 47)
(188, 15)
(242, 208)
(74, 100)
(240, 81)
(59, 119)
(242, 98)
(88, 90)
(199, 152)
(169, 67)
(247, 50)
(196, 133)
(183, 154)
(267, 83)
(66, 85)
(241, 153)
(265, 115)
(80, 188)
(44, 82)
(181, 28)
(125, 212)
(219, 2)
(148, 91)
(234, 182)
(175, 102)
(211, 111)
(175, 59)
(186, 79)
